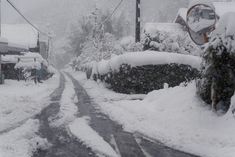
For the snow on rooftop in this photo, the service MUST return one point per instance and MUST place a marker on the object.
(14, 45)
(152, 28)
(182, 13)
(20, 34)
(9, 59)
(25, 57)
(3, 40)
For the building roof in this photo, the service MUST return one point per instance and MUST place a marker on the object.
(22, 35)
(182, 13)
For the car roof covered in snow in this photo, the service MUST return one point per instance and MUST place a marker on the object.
(20, 34)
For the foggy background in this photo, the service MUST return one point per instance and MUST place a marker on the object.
(57, 15)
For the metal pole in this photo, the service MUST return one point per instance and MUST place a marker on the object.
(137, 31)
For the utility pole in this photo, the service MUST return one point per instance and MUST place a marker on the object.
(137, 29)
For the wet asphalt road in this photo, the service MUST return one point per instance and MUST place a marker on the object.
(66, 145)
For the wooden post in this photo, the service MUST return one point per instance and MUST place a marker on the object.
(137, 31)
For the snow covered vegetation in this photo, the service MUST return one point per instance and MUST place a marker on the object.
(142, 72)
(217, 84)
(168, 37)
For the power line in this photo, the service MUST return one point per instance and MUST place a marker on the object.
(107, 18)
(19, 12)
(113, 12)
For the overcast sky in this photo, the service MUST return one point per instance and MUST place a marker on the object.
(58, 14)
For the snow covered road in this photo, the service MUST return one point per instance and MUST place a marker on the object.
(72, 125)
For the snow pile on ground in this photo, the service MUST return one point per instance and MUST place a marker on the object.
(22, 100)
(22, 141)
(81, 129)
(147, 58)
(68, 109)
(173, 116)
(182, 121)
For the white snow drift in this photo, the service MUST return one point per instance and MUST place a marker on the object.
(146, 58)
(81, 129)
(22, 141)
(22, 100)
(173, 116)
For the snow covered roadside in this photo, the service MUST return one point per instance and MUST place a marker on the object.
(81, 129)
(68, 109)
(173, 116)
(22, 100)
(22, 141)
(99, 92)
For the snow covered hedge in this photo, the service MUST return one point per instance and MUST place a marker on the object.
(142, 72)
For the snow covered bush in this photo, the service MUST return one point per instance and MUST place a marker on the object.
(142, 72)
(92, 39)
(168, 37)
(96, 49)
(144, 79)
(128, 44)
(217, 85)
(31, 63)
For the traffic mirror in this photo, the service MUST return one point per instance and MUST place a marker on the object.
(201, 20)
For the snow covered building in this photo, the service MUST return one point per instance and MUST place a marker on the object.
(20, 36)
(21, 39)
(220, 8)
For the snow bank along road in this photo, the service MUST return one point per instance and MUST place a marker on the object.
(74, 127)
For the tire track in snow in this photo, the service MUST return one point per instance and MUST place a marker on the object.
(128, 144)
(105, 127)
(63, 143)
